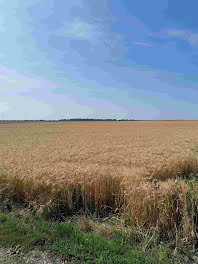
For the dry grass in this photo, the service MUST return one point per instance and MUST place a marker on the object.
(136, 168)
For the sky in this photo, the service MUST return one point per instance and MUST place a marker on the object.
(98, 59)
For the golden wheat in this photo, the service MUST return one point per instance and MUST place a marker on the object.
(135, 167)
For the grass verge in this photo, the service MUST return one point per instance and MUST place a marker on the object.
(84, 240)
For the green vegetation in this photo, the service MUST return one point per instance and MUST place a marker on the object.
(77, 241)
(28, 232)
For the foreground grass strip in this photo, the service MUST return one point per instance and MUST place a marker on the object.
(79, 239)
(91, 248)
(27, 232)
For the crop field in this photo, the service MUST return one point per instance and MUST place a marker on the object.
(138, 170)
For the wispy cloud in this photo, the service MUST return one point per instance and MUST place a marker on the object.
(103, 44)
(23, 96)
(190, 37)
(143, 44)
(81, 30)
(17, 95)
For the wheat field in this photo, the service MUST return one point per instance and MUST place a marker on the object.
(137, 169)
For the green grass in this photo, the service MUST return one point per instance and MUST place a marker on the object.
(23, 230)
(29, 232)
(64, 239)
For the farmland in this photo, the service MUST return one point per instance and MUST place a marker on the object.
(135, 169)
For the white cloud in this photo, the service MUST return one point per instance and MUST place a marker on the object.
(103, 44)
(81, 30)
(191, 38)
(17, 83)
(16, 100)
(23, 96)
(142, 44)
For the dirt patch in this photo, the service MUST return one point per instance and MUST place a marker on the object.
(33, 257)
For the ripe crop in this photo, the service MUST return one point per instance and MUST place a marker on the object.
(138, 169)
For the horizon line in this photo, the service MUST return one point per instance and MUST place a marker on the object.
(90, 119)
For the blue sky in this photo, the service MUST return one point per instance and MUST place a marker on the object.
(98, 59)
